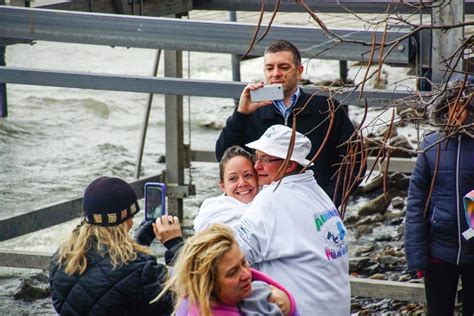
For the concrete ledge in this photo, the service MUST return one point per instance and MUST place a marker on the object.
(403, 291)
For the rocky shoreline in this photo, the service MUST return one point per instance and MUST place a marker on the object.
(376, 239)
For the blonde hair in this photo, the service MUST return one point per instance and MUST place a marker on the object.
(112, 241)
(195, 270)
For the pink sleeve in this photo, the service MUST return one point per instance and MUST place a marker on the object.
(260, 276)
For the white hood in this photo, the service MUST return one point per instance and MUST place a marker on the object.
(222, 209)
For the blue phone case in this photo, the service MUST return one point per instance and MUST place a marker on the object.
(155, 200)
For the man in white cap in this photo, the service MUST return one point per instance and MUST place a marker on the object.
(292, 230)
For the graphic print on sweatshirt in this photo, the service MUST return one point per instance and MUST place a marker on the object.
(329, 224)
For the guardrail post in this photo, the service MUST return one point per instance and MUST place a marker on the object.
(446, 42)
(422, 46)
(174, 132)
(235, 58)
(3, 86)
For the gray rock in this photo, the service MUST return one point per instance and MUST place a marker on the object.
(399, 181)
(36, 287)
(376, 205)
(349, 220)
(364, 229)
(371, 269)
(377, 276)
(370, 219)
(396, 221)
(389, 261)
(375, 184)
(384, 237)
(395, 214)
(364, 249)
(358, 263)
(398, 202)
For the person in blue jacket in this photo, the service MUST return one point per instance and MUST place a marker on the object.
(100, 269)
(435, 220)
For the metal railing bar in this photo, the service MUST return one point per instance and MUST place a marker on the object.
(55, 214)
(404, 165)
(179, 34)
(171, 86)
(325, 6)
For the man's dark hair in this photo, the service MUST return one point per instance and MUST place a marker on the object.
(231, 152)
(282, 45)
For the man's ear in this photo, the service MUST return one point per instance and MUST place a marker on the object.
(300, 71)
(291, 167)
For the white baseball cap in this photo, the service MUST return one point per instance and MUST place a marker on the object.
(276, 140)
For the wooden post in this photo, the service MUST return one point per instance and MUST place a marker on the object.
(174, 133)
(445, 43)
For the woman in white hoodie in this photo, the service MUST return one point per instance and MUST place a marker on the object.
(238, 181)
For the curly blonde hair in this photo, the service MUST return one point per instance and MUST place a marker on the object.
(112, 241)
(196, 267)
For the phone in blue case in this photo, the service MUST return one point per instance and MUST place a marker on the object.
(155, 197)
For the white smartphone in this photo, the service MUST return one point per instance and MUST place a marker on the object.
(270, 92)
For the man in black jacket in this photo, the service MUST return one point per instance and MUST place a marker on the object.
(282, 65)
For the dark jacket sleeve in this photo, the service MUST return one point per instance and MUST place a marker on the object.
(342, 132)
(152, 281)
(416, 226)
(233, 133)
(56, 295)
(173, 247)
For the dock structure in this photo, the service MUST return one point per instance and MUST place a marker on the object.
(139, 23)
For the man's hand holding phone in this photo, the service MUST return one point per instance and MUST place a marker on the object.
(247, 105)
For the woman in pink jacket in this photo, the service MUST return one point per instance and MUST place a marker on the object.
(212, 277)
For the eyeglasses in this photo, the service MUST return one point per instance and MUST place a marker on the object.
(264, 160)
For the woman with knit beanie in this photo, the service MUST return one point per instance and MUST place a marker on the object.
(100, 269)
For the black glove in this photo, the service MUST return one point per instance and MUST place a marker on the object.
(144, 234)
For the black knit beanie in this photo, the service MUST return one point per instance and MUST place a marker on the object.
(109, 201)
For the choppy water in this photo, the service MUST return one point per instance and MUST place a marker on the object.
(56, 140)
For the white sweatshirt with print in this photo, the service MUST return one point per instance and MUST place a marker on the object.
(294, 234)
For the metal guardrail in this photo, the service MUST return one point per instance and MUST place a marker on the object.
(55, 214)
(192, 35)
(172, 86)
(404, 165)
(329, 6)
(65, 211)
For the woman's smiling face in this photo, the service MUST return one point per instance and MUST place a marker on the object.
(240, 179)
